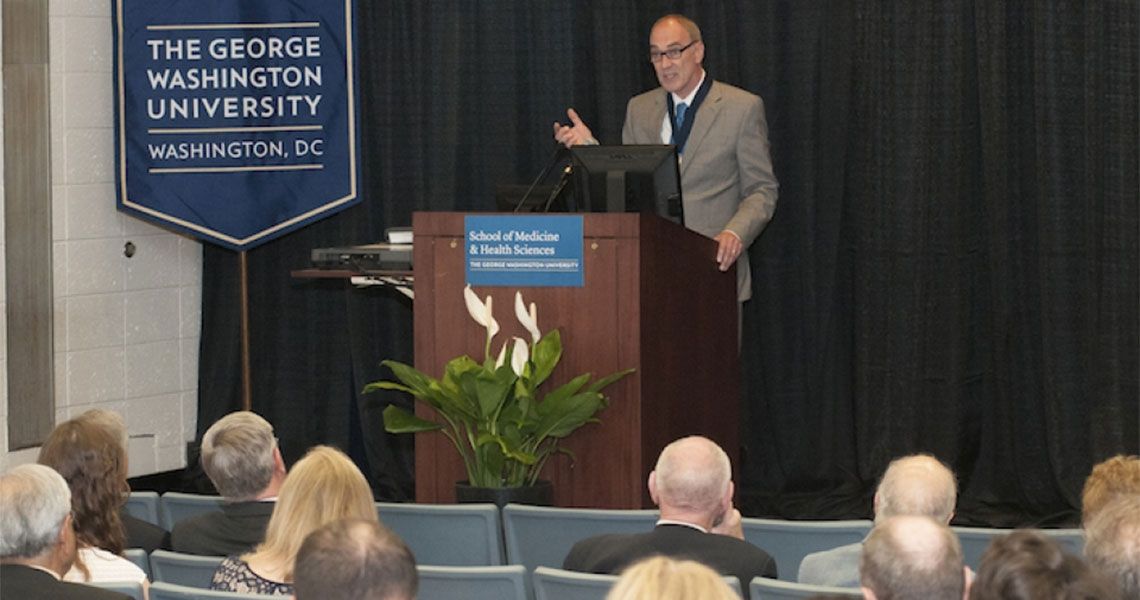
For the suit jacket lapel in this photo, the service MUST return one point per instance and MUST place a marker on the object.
(651, 127)
(706, 116)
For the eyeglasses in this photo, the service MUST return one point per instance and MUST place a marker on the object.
(672, 53)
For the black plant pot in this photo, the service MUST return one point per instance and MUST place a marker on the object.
(539, 494)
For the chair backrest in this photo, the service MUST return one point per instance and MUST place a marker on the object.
(774, 589)
(975, 540)
(184, 569)
(161, 590)
(507, 582)
(134, 589)
(176, 506)
(140, 558)
(539, 536)
(144, 506)
(790, 541)
(456, 535)
(559, 584)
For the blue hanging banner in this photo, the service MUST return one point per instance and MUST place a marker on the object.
(235, 121)
(524, 250)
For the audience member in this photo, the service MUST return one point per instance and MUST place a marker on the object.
(37, 542)
(1119, 475)
(324, 486)
(912, 558)
(692, 486)
(661, 578)
(912, 485)
(241, 458)
(1025, 565)
(354, 560)
(94, 463)
(1112, 543)
(140, 534)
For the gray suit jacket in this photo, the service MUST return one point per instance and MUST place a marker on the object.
(837, 567)
(726, 170)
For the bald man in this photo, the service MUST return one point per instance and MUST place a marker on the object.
(912, 558)
(692, 486)
(912, 485)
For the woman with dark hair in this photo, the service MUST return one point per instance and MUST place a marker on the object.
(1026, 565)
(94, 463)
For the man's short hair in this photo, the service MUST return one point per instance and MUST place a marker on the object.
(34, 502)
(917, 485)
(1107, 480)
(237, 455)
(912, 557)
(1026, 565)
(355, 559)
(1112, 543)
(693, 473)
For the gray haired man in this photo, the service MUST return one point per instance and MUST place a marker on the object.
(354, 560)
(912, 485)
(37, 541)
(241, 458)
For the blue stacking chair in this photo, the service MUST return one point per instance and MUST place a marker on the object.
(188, 570)
(773, 589)
(473, 583)
(134, 589)
(975, 540)
(539, 536)
(456, 535)
(139, 557)
(160, 590)
(559, 584)
(144, 506)
(176, 506)
(790, 541)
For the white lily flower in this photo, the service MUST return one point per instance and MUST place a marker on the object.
(481, 312)
(502, 355)
(528, 320)
(519, 356)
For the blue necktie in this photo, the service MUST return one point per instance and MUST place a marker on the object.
(679, 116)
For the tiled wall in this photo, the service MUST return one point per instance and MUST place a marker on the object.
(126, 329)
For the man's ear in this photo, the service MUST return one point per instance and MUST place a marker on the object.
(278, 461)
(867, 593)
(653, 487)
(729, 493)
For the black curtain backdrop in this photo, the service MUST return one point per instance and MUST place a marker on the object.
(952, 267)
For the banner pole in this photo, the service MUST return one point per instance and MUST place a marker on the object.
(246, 384)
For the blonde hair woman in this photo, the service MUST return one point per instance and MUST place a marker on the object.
(662, 578)
(323, 487)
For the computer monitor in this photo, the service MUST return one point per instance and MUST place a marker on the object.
(632, 178)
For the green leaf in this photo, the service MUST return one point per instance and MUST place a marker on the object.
(545, 356)
(398, 420)
(566, 390)
(608, 379)
(508, 447)
(562, 416)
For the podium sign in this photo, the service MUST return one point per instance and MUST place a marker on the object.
(235, 122)
(524, 250)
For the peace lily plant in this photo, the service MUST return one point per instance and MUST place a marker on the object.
(503, 427)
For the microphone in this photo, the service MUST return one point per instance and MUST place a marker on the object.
(562, 181)
(559, 152)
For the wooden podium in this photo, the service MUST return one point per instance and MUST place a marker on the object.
(653, 299)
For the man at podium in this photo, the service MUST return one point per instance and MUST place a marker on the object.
(727, 184)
